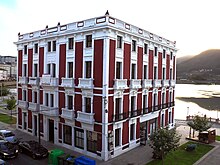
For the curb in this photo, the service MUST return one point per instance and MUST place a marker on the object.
(206, 155)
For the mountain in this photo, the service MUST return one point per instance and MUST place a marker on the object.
(183, 59)
(204, 66)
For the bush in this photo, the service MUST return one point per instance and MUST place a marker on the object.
(190, 147)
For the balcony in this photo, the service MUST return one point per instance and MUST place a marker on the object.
(84, 117)
(165, 83)
(147, 83)
(171, 104)
(149, 116)
(67, 82)
(34, 107)
(156, 83)
(48, 80)
(68, 113)
(135, 113)
(172, 83)
(120, 84)
(34, 80)
(23, 80)
(22, 104)
(49, 111)
(86, 83)
(135, 83)
(120, 116)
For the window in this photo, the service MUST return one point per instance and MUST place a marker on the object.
(117, 108)
(132, 131)
(70, 69)
(35, 70)
(164, 74)
(49, 46)
(70, 43)
(70, 102)
(24, 95)
(118, 70)
(36, 48)
(145, 72)
(155, 72)
(53, 70)
(88, 69)
(91, 141)
(25, 49)
(170, 97)
(145, 100)
(89, 41)
(171, 73)
(25, 120)
(133, 71)
(51, 100)
(133, 45)
(25, 70)
(155, 51)
(145, 48)
(163, 100)
(67, 134)
(171, 55)
(170, 117)
(155, 102)
(132, 106)
(87, 105)
(119, 42)
(54, 46)
(46, 99)
(164, 53)
(48, 69)
(79, 138)
(162, 120)
(35, 97)
(117, 137)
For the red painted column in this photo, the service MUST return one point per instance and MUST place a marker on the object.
(125, 133)
(78, 107)
(126, 105)
(168, 67)
(174, 67)
(110, 108)
(30, 62)
(19, 63)
(98, 63)
(140, 63)
(97, 108)
(41, 61)
(62, 62)
(111, 63)
(19, 116)
(149, 101)
(127, 61)
(158, 121)
(78, 61)
(151, 63)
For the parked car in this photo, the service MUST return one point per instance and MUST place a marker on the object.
(2, 162)
(9, 136)
(8, 150)
(33, 148)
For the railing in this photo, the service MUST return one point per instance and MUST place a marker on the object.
(35, 107)
(34, 80)
(85, 117)
(68, 82)
(172, 83)
(165, 83)
(147, 83)
(22, 80)
(120, 84)
(48, 80)
(22, 104)
(135, 83)
(86, 83)
(135, 113)
(120, 116)
(68, 113)
(213, 120)
(49, 111)
(171, 104)
(156, 83)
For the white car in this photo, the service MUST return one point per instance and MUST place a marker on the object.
(8, 136)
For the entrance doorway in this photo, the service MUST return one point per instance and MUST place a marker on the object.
(143, 133)
(35, 125)
(51, 130)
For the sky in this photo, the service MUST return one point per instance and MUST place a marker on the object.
(193, 24)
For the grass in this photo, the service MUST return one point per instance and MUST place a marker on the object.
(7, 119)
(217, 138)
(182, 157)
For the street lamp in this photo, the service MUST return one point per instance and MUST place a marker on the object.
(187, 111)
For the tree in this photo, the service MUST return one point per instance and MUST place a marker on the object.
(199, 124)
(11, 104)
(163, 141)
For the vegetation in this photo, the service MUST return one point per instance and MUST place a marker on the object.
(163, 141)
(7, 119)
(4, 91)
(181, 157)
(217, 138)
(11, 103)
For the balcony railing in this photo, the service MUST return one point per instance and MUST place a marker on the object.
(146, 83)
(48, 80)
(34, 80)
(84, 117)
(156, 83)
(135, 83)
(23, 80)
(35, 107)
(120, 84)
(120, 116)
(22, 104)
(67, 82)
(49, 111)
(171, 104)
(135, 113)
(86, 83)
(165, 83)
(172, 83)
(68, 113)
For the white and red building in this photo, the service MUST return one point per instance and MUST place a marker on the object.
(100, 86)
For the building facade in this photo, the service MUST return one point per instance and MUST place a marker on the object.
(98, 86)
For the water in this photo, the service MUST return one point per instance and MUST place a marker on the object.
(184, 108)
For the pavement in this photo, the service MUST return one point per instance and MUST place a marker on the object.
(138, 156)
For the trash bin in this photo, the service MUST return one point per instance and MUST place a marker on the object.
(82, 160)
(53, 156)
(61, 159)
(69, 160)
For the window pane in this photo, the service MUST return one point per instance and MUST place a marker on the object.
(155, 51)
(118, 70)
(70, 43)
(145, 48)
(117, 137)
(79, 138)
(54, 45)
(49, 46)
(70, 69)
(88, 105)
(70, 102)
(36, 48)
(89, 41)
(119, 42)
(67, 134)
(134, 45)
(88, 69)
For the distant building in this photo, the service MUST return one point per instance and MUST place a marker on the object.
(9, 63)
(99, 86)
(3, 75)
(8, 59)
